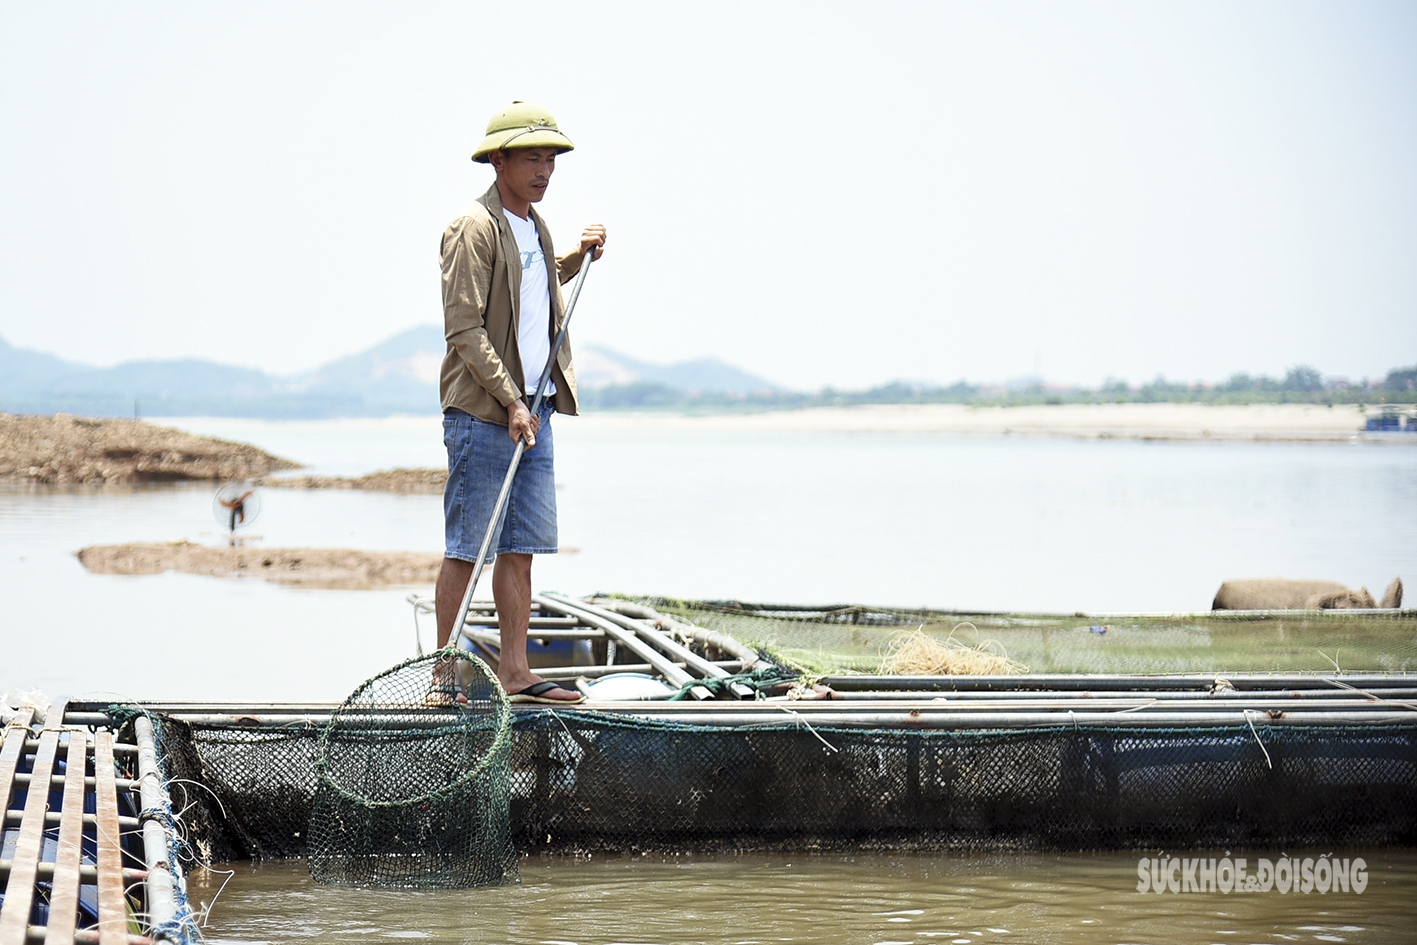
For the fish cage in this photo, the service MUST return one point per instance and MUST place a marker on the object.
(1205, 742)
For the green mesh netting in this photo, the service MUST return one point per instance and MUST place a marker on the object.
(853, 638)
(412, 786)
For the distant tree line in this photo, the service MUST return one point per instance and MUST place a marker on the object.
(1302, 384)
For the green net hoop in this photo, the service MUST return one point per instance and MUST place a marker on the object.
(413, 786)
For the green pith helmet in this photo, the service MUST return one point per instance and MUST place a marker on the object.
(521, 125)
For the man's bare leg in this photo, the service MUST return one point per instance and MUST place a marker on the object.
(452, 585)
(511, 589)
(447, 599)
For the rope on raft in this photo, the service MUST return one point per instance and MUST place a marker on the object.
(760, 680)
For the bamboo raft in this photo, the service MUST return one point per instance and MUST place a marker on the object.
(87, 848)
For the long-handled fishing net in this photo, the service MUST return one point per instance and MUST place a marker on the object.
(413, 795)
(412, 788)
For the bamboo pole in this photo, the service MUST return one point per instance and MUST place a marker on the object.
(159, 885)
(86, 872)
(493, 636)
(535, 623)
(898, 716)
(1103, 682)
(119, 748)
(88, 937)
(54, 818)
(658, 639)
(1322, 703)
(1139, 704)
(707, 638)
(1305, 695)
(630, 641)
(1002, 724)
(93, 713)
(58, 780)
(595, 672)
(246, 718)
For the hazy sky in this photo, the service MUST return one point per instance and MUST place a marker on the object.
(821, 193)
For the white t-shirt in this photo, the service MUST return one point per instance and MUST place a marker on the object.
(534, 325)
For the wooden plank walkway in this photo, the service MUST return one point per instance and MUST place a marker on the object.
(112, 914)
(12, 752)
(64, 895)
(24, 866)
(45, 874)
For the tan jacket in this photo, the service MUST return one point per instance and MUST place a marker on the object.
(482, 370)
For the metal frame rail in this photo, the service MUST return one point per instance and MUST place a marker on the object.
(929, 703)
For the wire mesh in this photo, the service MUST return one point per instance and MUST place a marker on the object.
(581, 781)
(411, 782)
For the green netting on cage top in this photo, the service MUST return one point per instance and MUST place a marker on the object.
(857, 639)
(413, 784)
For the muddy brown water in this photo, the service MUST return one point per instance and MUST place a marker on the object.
(963, 899)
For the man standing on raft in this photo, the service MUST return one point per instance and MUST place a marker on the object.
(502, 308)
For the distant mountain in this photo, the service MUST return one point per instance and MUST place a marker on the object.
(36, 382)
(22, 371)
(167, 379)
(399, 375)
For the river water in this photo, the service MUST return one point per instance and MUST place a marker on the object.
(963, 899)
(665, 507)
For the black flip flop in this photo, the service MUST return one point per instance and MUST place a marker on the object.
(536, 692)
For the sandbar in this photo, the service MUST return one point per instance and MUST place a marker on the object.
(1162, 421)
(338, 568)
(62, 448)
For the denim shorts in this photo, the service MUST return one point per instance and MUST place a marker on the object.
(478, 456)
